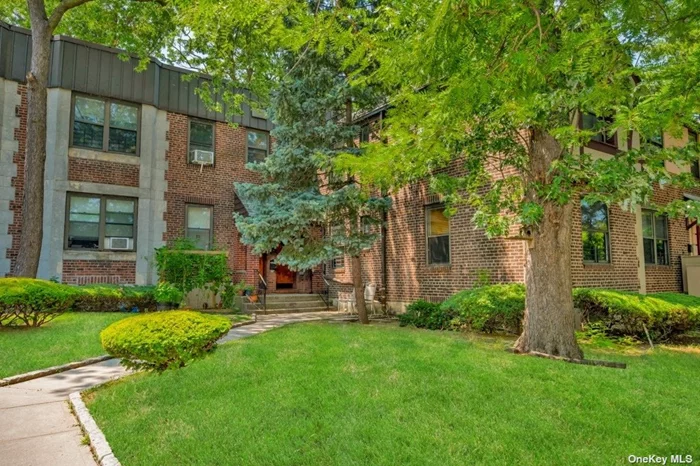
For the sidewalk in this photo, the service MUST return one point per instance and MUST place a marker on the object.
(37, 425)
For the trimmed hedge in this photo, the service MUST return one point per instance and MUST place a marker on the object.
(485, 309)
(163, 340)
(664, 315)
(115, 298)
(32, 302)
(501, 308)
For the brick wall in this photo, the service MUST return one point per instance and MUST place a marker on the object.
(18, 181)
(622, 271)
(98, 171)
(84, 272)
(209, 185)
(669, 277)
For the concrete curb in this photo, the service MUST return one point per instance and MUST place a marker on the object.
(242, 324)
(51, 370)
(98, 443)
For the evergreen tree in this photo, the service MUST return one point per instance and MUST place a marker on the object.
(313, 213)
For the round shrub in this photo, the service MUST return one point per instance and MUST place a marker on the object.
(32, 302)
(163, 340)
(488, 308)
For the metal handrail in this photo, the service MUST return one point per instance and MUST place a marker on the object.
(326, 294)
(264, 290)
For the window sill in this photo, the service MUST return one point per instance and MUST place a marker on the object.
(439, 267)
(88, 154)
(80, 254)
(597, 264)
(657, 266)
(603, 147)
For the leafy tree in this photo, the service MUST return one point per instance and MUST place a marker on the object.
(300, 196)
(500, 87)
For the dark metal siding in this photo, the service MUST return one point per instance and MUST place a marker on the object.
(98, 70)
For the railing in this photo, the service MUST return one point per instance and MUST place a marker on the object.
(326, 293)
(262, 291)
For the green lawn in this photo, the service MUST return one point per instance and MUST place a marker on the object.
(70, 337)
(334, 393)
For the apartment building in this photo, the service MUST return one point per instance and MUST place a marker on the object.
(135, 160)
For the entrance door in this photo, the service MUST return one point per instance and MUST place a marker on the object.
(284, 277)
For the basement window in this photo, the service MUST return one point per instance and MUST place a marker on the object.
(105, 125)
(437, 235)
(595, 234)
(100, 223)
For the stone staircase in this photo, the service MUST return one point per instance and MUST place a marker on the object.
(288, 304)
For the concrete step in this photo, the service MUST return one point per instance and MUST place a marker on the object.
(294, 304)
(291, 297)
(294, 310)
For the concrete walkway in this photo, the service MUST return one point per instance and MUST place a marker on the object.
(37, 425)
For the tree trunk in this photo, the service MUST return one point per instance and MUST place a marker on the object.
(35, 158)
(549, 323)
(358, 286)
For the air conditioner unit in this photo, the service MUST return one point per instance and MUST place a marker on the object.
(203, 157)
(120, 244)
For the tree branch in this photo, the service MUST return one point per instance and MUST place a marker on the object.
(61, 9)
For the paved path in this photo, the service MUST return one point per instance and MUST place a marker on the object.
(37, 427)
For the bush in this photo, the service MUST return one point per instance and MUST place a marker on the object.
(665, 315)
(166, 293)
(424, 314)
(485, 309)
(115, 298)
(163, 340)
(32, 302)
(488, 308)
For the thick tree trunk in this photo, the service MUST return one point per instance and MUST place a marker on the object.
(549, 323)
(358, 286)
(35, 158)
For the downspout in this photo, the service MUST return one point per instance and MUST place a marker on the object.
(385, 217)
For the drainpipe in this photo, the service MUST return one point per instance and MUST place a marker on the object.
(384, 255)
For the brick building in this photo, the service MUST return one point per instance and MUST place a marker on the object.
(135, 160)
(425, 255)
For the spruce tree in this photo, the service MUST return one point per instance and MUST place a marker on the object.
(302, 205)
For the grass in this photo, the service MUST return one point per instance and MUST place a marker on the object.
(318, 394)
(70, 337)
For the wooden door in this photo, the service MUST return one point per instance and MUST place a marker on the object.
(284, 277)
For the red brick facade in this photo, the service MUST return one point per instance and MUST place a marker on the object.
(209, 185)
(85, 272)
(474, 257)
(98, 171)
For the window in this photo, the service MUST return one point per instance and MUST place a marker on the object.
(695, 166)
(364, 133)
(367, 225)
(438, 235)
(338, 262)
(258, 145)
(657, 139)
(100, 222)
(201, 137)
(655, 237)
(593, 122)
(105, 125)
(595, 234)
(199, 219)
